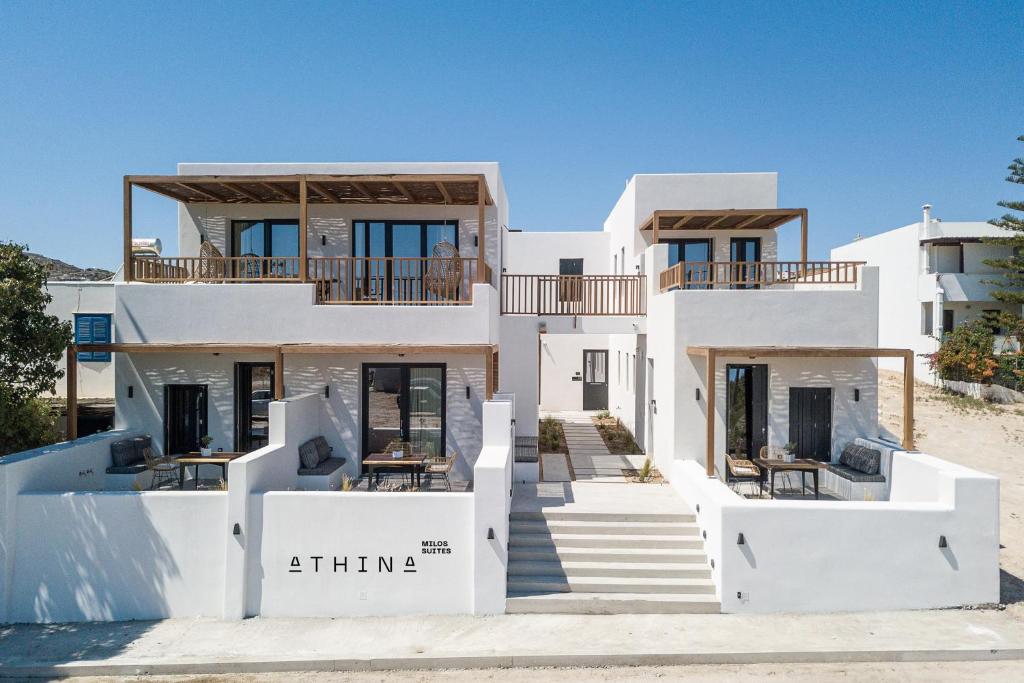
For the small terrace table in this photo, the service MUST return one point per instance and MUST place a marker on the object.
(221, 458)
(375, 462)
(769, 466)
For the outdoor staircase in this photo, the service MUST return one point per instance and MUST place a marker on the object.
(607, 563)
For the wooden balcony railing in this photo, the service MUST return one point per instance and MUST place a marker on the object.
(573, 295)
(216, 269)
(757, 274)
(393, 280)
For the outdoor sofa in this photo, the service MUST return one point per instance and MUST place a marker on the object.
(862, 472)
(128, 464)
(318, 471)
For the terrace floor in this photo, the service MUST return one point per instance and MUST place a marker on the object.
(597, 497)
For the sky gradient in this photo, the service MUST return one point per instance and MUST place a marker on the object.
(865, 110)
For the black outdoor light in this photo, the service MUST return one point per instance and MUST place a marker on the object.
(942, 542)
(237, 530)
(467, 391)
(323, 240)
(327, 391)
(856, 394)
(490, 534)
(698, 393)
(131, 391)
(740, 540)
(476, 241)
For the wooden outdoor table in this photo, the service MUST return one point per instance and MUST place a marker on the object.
(769, 466)
(375, 462)
(221, 458)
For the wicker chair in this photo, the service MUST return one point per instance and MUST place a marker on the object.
(164, 468)
(740, 470)
(444, 272)
(211, 263)
(442, 466)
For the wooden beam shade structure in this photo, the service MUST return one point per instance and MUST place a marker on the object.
(713, 353)
(278, 374)
(72, 393)
(481, 230)
(722, 219)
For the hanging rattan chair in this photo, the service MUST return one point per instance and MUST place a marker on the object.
(444, 272)
(211, 263)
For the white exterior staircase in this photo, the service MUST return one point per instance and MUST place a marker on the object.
(607, 563)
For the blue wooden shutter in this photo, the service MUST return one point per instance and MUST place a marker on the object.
(92, 329)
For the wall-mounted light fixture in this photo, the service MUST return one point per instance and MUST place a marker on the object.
(237, 529)
(942, 542)
(327, 391)
(856, 394)
(490, 534)
(476, 240)
(740, 540)
(323, 240)
(542, 327)
(467, 391)
(698, 393)
(131, 391)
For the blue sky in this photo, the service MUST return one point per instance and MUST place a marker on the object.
(865, 110)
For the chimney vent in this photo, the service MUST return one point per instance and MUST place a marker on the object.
(927, 211)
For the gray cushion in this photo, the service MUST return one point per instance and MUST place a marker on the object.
(322, 449)
(130, 469)
(326, 467)
(851, 474)
(122, 453)
(866, 460)
(140, 443)
(308, 455)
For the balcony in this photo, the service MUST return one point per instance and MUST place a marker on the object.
(591, 295)
(337, 279)
(758, 274)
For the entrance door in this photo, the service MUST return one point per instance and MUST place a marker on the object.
(745, 252)
(405, 402)
(696, 254)
(595, 379)
(746, 410)
(254, 390)
(810, 422)
(185, 419)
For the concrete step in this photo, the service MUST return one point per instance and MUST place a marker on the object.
(611, 603)
(631, 541)
(632, 570)
(608, 584)
(555, 515)
(550, 553)
(613, 528)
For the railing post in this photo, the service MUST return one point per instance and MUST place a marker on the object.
(303, 230)
(127, 188)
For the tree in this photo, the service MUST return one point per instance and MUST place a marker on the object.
(31, 343)
(1010, 288)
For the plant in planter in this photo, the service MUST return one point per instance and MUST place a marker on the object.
(204, 446)
(790, 452)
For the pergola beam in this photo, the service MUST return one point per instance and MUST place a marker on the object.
(198, 190)
(279, 191)
(237, 187)
(71, 393)
(404, 192)
(128, 266)
(444, 192)
(481, 231)
(323, 192)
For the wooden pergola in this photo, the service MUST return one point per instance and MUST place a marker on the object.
(713, 353)
(489, 351)
(396, 189)
(726, 219)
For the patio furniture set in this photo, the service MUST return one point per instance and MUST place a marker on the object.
(860, 464)
(409, 462)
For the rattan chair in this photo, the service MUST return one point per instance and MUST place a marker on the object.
(164, 468)
(444, 272)
(211, 263)
(740, 471)
(442, 466)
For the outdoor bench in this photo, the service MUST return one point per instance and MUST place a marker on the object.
(319, 470)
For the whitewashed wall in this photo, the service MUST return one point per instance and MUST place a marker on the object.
(539, 253)
(854, 556)
(561, 359)
(95, 380)
(285, 313)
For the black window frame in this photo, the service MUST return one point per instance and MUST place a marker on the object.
(364, 401)
(389, 234)
(268, 232)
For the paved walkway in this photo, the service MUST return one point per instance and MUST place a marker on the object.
(208, 646)
(590, 458)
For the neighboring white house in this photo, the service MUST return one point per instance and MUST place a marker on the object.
(932, 277)
(89, 307)
(325, 319)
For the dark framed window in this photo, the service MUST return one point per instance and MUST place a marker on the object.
(947, 321)
(697, 253)
(93, 328)
(268, 237)
(570, 266)
(408, 239)
(744, 253)
(407, 402)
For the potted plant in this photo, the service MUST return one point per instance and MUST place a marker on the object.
(789, 452)
(204, 448)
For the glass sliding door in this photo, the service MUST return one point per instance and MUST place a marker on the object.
(426, 410)
(390, 255)
(746, 410)
(254, 390)
(696, 254)
(745, 253)
(405, 402)
(272, 245)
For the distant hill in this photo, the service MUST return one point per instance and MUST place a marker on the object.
(65, 271)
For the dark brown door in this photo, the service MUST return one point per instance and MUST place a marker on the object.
(185, 417)
(254, 390)
(595, 379)
(810, 422)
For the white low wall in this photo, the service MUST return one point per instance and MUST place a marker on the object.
(831, 556)
(984, 392)
(101, 556)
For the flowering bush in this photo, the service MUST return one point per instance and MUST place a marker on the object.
(966, 354)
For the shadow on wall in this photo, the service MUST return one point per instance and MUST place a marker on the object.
(77, 562)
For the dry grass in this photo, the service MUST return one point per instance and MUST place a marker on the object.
(617, 438)
(551, 438)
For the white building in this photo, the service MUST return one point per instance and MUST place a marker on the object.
(932, 277)
(388, 309)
